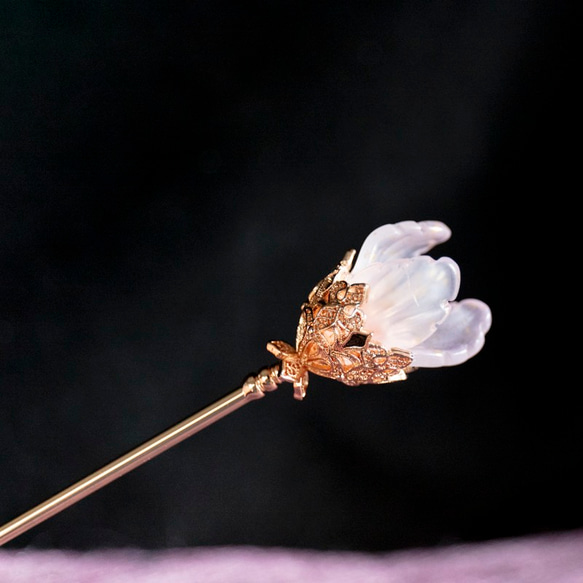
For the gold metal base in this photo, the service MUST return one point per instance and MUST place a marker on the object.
(332, 341)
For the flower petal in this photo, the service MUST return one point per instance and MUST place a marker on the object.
(404, 239)
(407, 298)
(458, 338)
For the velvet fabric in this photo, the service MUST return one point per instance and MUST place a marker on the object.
(554, 558)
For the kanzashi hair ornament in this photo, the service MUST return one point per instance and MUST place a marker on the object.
(391, 313)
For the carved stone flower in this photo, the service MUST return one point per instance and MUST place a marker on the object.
(393, 312)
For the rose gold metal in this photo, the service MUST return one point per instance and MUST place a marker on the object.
(330, 341)
(252, 389)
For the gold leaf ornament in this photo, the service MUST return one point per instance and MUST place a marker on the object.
(332, 341)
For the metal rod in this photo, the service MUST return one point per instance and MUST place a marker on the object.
(251, 390)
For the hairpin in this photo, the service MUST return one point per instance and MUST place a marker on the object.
(372, 321)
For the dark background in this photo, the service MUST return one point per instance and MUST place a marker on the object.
(174, 179)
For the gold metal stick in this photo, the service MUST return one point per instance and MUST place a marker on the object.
(253, 388)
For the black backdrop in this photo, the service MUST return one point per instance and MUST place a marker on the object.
(176, 176)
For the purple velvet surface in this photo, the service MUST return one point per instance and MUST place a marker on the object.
(554, 558)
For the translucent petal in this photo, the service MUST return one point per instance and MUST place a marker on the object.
(407, 298)
(405, 239)
(458, 338)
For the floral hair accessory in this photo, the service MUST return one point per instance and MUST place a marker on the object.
(391, 313)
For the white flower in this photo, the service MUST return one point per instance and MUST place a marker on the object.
(392, 313)
(410, 303)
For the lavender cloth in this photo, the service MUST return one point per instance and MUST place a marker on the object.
(545, 559)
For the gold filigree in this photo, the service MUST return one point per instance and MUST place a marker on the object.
(331, 340)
